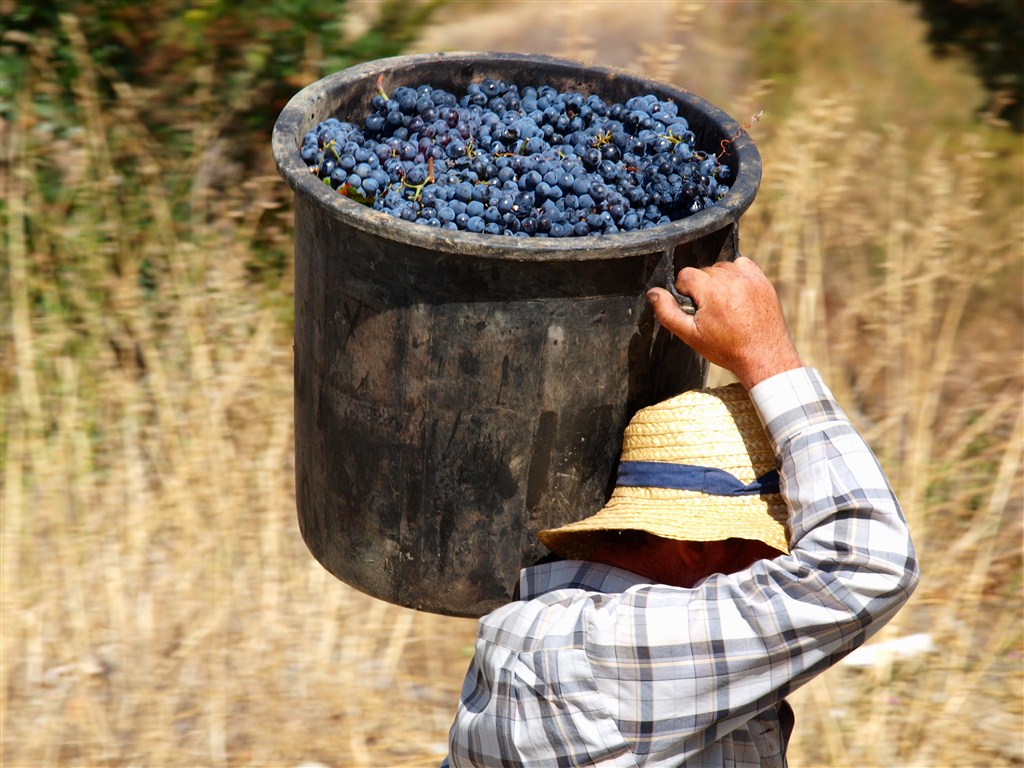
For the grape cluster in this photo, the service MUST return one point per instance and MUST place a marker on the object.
(527, 162)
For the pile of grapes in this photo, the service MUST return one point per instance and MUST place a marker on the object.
(527, 162)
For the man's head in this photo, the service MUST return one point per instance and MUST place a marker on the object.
(697, 493)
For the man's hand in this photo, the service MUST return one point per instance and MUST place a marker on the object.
(739, 323)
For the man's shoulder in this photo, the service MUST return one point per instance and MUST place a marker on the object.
(555, 598)
(575, 575)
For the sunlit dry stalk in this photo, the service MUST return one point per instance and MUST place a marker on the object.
(579, 45)
(934, 265)
(975, 643)
(659, 57)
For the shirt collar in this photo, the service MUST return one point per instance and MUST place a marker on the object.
(575, 574)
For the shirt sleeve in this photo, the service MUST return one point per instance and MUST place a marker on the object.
(685, 667)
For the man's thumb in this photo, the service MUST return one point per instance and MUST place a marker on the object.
(670, 314)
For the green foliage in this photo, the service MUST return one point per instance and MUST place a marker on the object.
(991, 32)
(215, 60)
(777, 45)
(205, 79)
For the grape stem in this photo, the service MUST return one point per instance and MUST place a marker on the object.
(419, 187)
(743, 129)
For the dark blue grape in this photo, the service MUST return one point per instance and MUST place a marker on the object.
(416, 175)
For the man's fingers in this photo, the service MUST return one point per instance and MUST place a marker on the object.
(747, 266)
(670, 314)
(691, 282)
(689, 277)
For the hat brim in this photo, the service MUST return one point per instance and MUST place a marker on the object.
(678, 515)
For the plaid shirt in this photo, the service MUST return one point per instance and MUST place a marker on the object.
(595, 667)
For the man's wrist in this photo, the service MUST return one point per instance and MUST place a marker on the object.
(753, 375)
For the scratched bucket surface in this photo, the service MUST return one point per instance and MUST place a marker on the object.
(454, 392)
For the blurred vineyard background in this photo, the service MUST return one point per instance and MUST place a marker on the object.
(159, 607)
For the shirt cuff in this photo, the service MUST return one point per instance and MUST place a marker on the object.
(791, 400)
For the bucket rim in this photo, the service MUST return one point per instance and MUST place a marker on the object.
(302, 109)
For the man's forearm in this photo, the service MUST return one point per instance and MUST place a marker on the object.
(845, 519)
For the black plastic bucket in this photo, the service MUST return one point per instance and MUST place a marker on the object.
(454, 392)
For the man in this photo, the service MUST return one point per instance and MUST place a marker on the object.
(751, 542)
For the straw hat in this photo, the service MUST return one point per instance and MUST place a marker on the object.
(696, 467)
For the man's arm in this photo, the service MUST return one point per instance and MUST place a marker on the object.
(738, 643)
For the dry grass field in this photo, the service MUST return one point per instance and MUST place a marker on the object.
(159, 607)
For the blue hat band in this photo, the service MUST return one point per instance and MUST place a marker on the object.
(689, 477)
